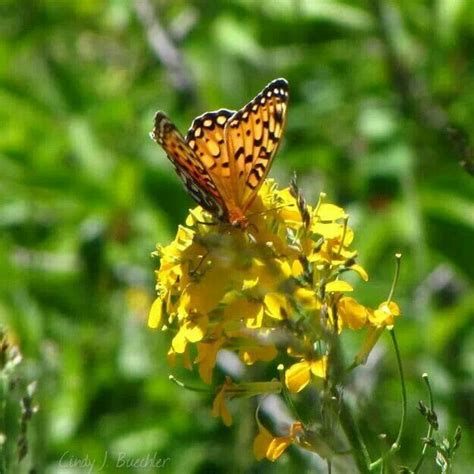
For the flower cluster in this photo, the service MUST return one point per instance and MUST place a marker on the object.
(274, 289)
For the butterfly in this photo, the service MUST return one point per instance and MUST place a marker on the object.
(226, 154)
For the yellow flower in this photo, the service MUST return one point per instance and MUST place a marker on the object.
(272, 447)
(379, 319)
(371, 338)
(219, 407)
(255, 282)
(384, 315)
(230, 389)
(298, 376)
(273, 289)
(207, 353)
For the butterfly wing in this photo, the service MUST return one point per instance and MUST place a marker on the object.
(226, 155)
(197, 180)
(206, 140)
(252, 136)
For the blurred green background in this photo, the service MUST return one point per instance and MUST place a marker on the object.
(382, 105)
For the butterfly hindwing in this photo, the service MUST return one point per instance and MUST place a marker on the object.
(252, 136)
(188, 166)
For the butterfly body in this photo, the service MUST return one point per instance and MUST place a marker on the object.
(226, 155)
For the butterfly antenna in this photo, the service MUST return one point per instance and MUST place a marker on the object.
(195, 270)
(266, 211)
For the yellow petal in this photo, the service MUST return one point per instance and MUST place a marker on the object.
(250, 355)
(190, 220)
(277, 447)
(248, 284)
(184, 305)
(353, 315)
(261, 443)
(285, 268)
(392, 307)
(385, 314)
(330, 212)
(338, 285)
(205, 295)
(298, 376)
(371, 338)
(179, 342)
(348, 236)
(156, 313)
(195, 329)
(307, 298)
(297, 268)
(219, 407)
(319, 367)
(243, 309)
(207, 353)
(277, 306)
(360, 271)
(329, 231)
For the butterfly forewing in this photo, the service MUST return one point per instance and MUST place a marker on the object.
(189, 167)
(252, 136)
(206, 139)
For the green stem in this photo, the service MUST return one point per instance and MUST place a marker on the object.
(359, 450)
(3, 431)
(186, 386)
(398, 257)
(396, 445)
(403, 387)
(430, 428)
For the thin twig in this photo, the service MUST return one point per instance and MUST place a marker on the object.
(430, 427)
(164, 48)
(413, 92)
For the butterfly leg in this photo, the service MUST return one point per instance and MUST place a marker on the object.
(194, 271)
(206, 223)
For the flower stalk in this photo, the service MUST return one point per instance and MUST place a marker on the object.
(396, 445)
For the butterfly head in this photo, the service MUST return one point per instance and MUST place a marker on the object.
(238, 220)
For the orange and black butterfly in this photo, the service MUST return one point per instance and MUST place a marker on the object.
(226, 155)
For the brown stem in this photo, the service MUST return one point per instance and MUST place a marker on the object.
(164, 48)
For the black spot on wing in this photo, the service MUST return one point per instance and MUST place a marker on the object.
(209, 121)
